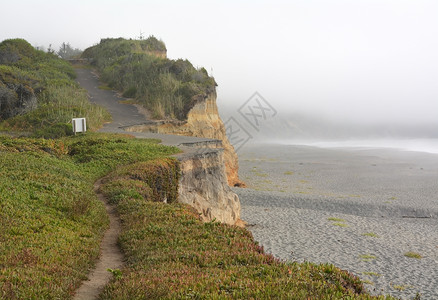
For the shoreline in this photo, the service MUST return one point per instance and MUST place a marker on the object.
(360, 209)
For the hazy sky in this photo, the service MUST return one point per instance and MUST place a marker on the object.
(360, 60)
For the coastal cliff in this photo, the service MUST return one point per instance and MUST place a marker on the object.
(203, 120)
(178, 99)
(203, 185)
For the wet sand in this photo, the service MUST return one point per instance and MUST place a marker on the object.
(360, 209)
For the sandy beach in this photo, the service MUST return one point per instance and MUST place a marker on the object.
(364, 210)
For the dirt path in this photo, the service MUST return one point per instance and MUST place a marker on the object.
(110, 255)
(123, 115)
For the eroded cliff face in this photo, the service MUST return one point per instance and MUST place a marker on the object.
(209, 168)
(203, 185)
(203, 120)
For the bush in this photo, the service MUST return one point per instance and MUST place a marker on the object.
(154, 180)
(38, 93)
(168, 88)
(130, 92)
(55, 131)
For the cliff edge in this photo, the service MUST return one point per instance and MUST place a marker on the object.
(180, 98)
(203, 181)
(203, 120)
(203, 185)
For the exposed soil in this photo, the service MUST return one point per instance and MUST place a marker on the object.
(110, 256)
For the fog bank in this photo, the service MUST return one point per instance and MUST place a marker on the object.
(370, 62)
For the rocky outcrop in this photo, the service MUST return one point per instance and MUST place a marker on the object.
(203, 185)
(203, 120)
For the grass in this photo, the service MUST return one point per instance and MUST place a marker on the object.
(401, 287)
(259, 174)
(57, 106)
(51, 222)
(40, 93)
(367, 257)
(171, 254)
(128, 101)
(105, 87)
(412, 254)
(371, 234)
(340, 224)
(288, 173)
(335, 219)
(139, 70)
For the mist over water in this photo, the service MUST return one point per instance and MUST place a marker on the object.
(288, 128)
(417, 145)
(324, 133)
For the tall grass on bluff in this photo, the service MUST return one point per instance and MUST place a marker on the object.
(38, 93)
(140, 70)
(51, 221)
(57, 106)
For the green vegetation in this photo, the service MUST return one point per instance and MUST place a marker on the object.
(140, 70)
(51, 222)
(371, 234)
(340, 224)
(401, 287)
(335, 219)
(38, 93)
(412, 254)
(337, 222)
(367, 257)
(171, 254)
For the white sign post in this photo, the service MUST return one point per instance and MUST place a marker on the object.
(79, 125)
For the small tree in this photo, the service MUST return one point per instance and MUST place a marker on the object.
(66, 51)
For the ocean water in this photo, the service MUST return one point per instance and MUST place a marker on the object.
(416, 145)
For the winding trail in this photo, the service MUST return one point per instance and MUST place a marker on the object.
(111, 257)
(123, 115)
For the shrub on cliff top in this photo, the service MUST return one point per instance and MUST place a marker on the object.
(168, 88)
(13, 50)
(153, 180)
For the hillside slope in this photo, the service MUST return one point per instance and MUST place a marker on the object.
(181, 98)
(38, 93)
